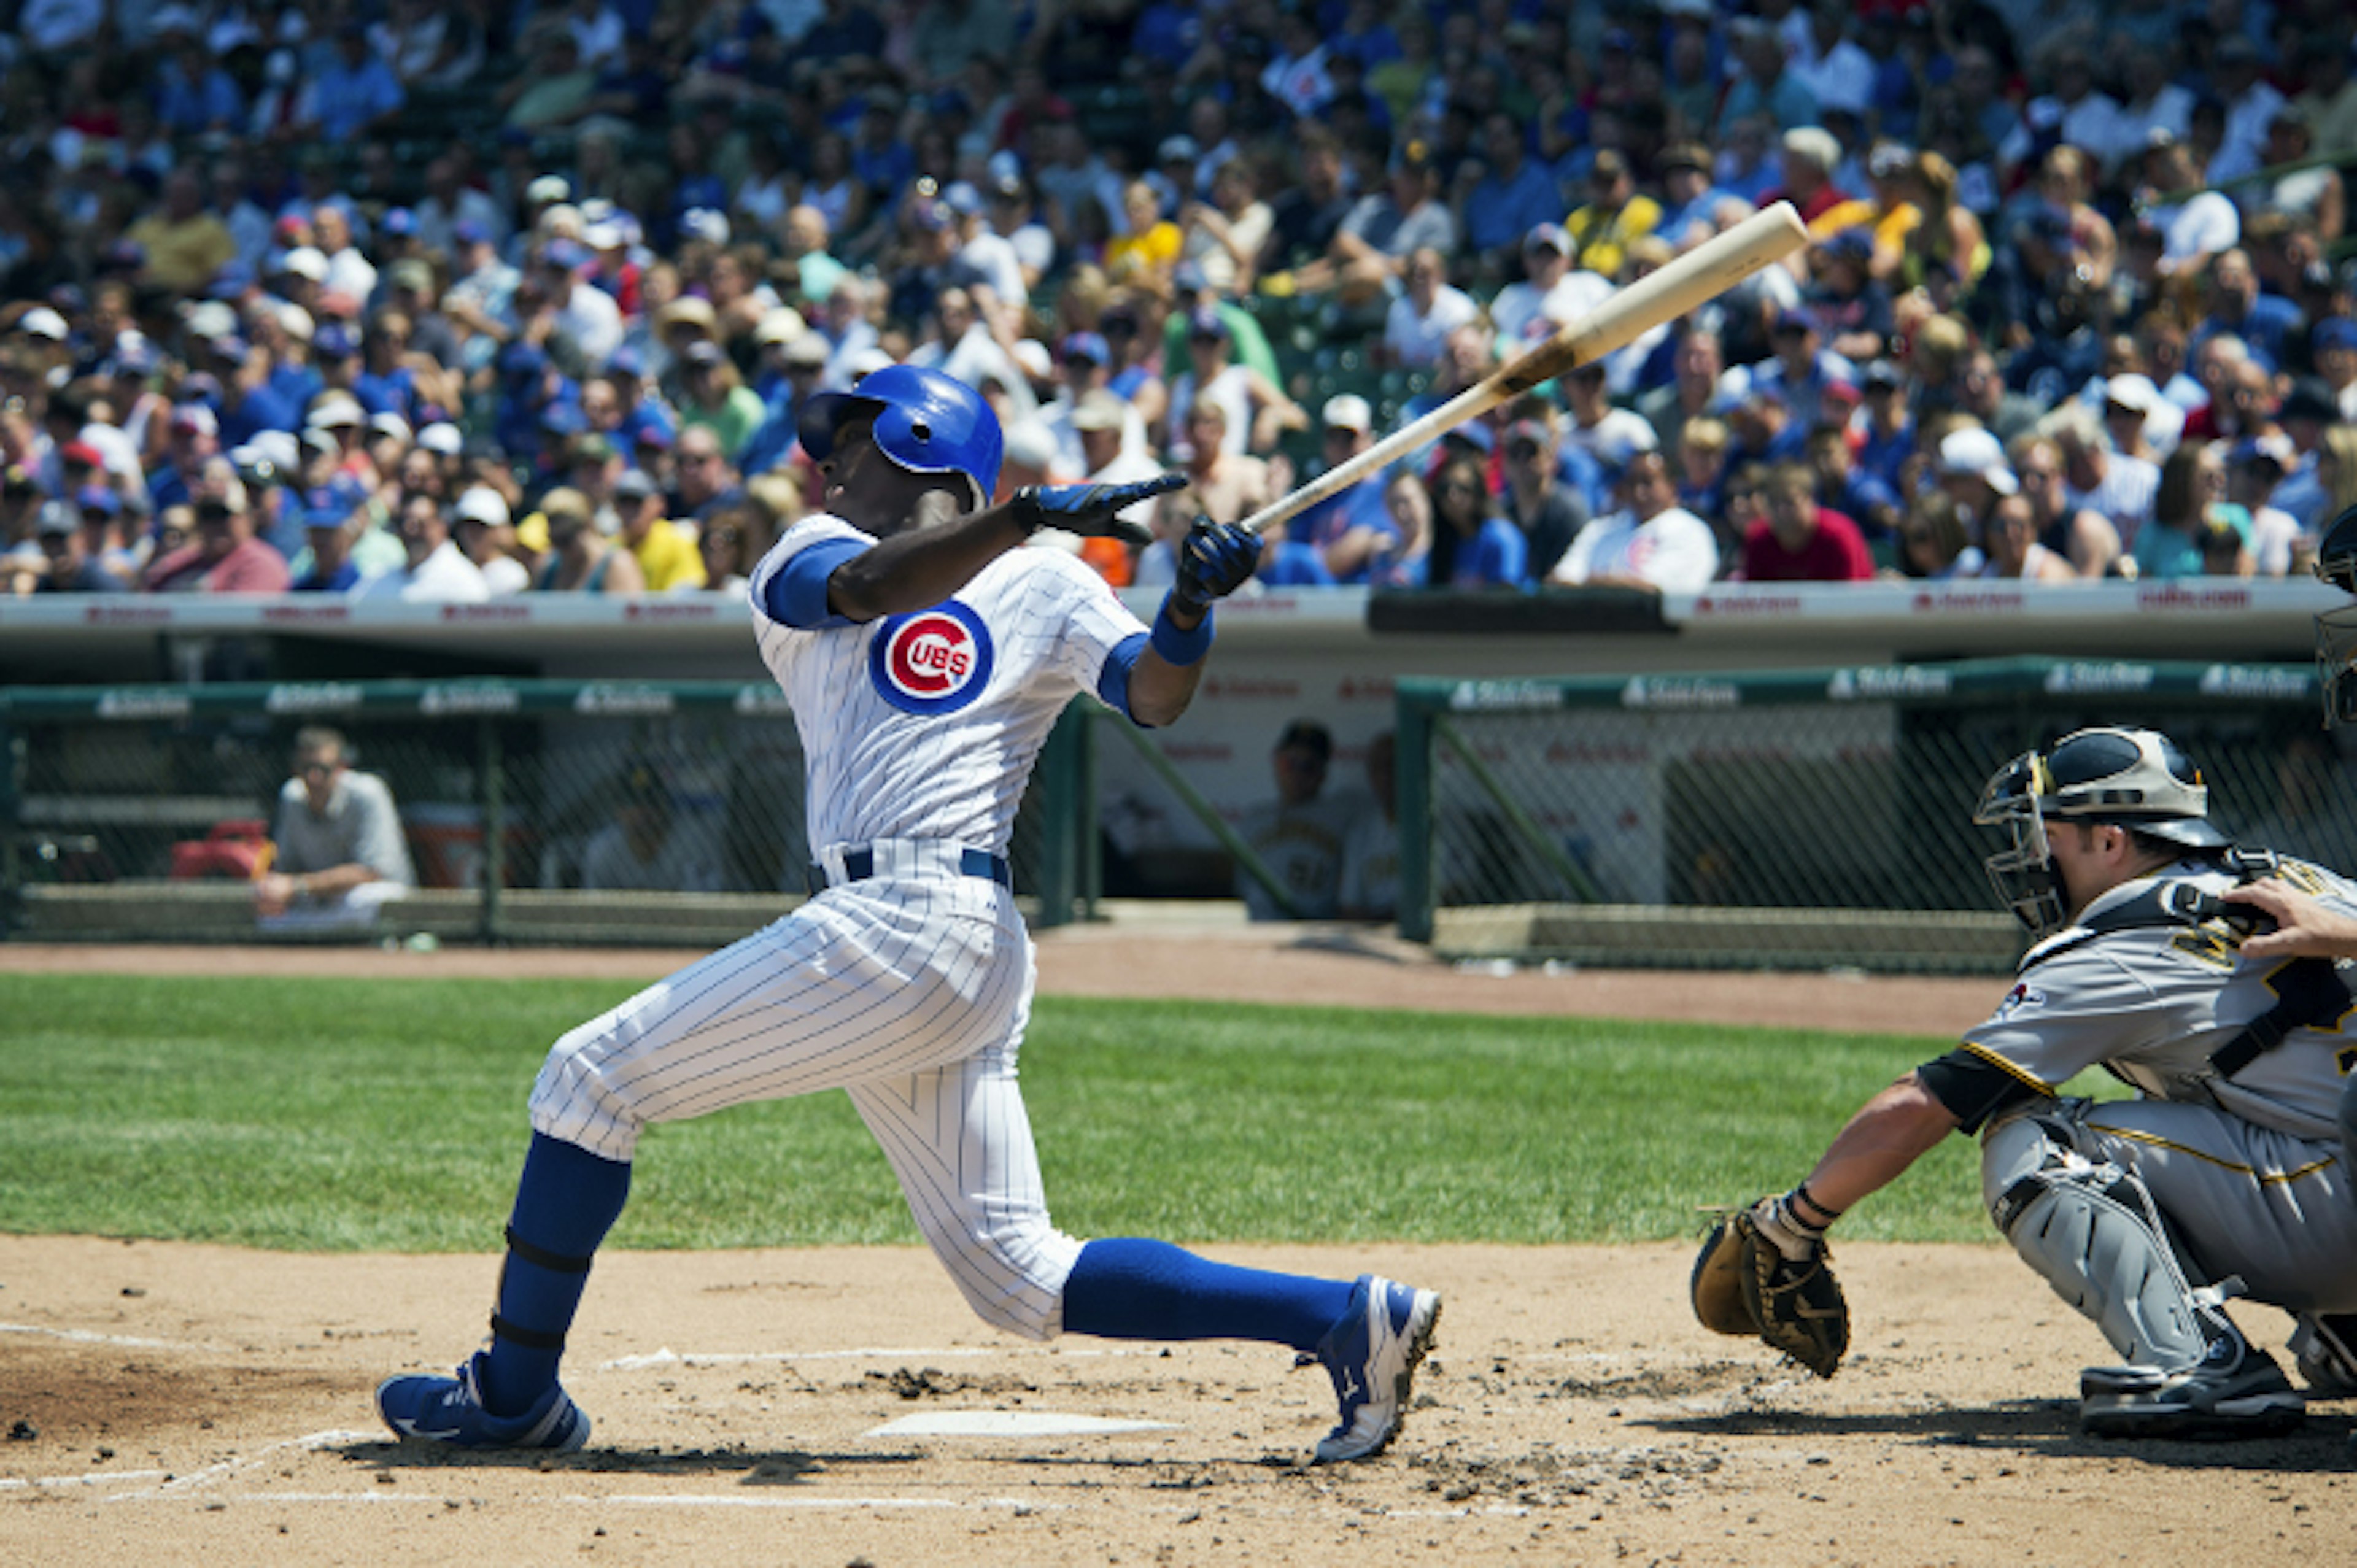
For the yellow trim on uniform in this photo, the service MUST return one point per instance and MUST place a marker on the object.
(2003, 1066)
(2265, 1177)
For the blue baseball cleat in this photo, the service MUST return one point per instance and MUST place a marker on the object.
(1372, 1355)
(450, 1410)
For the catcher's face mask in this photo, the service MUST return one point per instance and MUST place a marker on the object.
(2336, 630)
(2336, 646)
(2023, 873)
(2134, 778)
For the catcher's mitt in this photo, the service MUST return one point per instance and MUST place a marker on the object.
(1743, 1285)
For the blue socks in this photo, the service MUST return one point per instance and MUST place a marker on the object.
(1132, 1289)
(565, 1202)
(1122, 1289)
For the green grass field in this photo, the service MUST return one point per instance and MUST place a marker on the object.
(380, 1115)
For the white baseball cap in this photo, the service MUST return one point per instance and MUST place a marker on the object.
(482, 504)
(305, 262)
(782, 325)
(442, 438)
(42, 322)
(1032, 355)
(1100, 410)
(1974, 451)
(334, 411)
(2132, 390)
(1347, 411)
(277, 447)
(209, 319)
(1031, 443)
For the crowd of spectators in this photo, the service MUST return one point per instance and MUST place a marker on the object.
(449, 302)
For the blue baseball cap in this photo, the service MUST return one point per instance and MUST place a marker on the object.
(470, 231)
(2336, 332)
(1088, 345)
(398, 222)
(523, 359)
(563, 418)
(334, 341)
(98, 497)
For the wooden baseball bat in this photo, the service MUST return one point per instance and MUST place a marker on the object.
(1703, 274)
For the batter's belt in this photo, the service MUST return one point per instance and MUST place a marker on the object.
(840, 863)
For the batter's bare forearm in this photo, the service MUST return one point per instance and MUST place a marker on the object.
(922, 564)
(1890, 1133)
(1159, 691)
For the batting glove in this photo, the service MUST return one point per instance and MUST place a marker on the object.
(1093, 509)
(1216, 559)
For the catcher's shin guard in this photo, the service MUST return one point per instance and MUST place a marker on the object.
(2092, 1233)
(2349, 1122)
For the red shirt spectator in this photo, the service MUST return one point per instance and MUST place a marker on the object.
(226, 558)
(1800, 541)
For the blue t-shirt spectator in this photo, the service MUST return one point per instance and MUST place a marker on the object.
(353, 92)
(190, 106)
(1502, 210)
(1496, 556)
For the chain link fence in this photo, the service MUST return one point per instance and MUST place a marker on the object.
(1820, 818)
(589, 812)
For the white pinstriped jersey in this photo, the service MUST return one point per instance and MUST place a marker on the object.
(926, 726)
(2152, 1003)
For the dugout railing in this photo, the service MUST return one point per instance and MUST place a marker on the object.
(601, 811)
(1798, 818)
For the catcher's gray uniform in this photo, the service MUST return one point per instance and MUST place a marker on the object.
(2245, 1169)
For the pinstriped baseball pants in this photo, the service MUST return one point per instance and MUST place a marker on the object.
(910, 994)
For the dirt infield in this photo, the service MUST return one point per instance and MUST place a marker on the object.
(167, 1404)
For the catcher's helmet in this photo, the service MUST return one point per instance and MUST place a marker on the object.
(925, 422)
(2136, 779)
(2336, 630)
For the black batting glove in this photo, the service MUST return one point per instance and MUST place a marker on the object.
(1214, 561)
(1091, 509)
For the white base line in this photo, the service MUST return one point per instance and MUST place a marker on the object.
(84, 1337)
(212, 1473)
(95, 1478)
(670, 1358)
(647, 1500)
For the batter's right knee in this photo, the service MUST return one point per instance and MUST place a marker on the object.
(2090, 1230)
(576, 1100)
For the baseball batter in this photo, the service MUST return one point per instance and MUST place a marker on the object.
(925, 657)
(2224, 1177)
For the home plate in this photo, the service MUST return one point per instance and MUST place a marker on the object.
(1010, 1424)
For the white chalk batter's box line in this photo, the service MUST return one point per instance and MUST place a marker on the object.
(670, 1358)
(86, 1337)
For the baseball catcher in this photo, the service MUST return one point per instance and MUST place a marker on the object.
(2222, 1177)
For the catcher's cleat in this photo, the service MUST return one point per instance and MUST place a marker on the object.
(1372, 1355)
(2325, 1350)
(450, 1410)
(2234, 1390)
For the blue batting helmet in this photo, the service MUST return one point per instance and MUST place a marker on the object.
(925, 422)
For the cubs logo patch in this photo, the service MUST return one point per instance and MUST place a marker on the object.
(931, 662)
(2023, 994)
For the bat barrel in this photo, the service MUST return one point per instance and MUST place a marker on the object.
(1703, 274)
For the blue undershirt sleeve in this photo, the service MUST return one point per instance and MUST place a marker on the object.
(795, 594)
(1112, 680)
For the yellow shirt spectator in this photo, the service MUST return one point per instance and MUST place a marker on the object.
(1614, 215)
(667, 555)
(1150, 250)
(182, 256)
